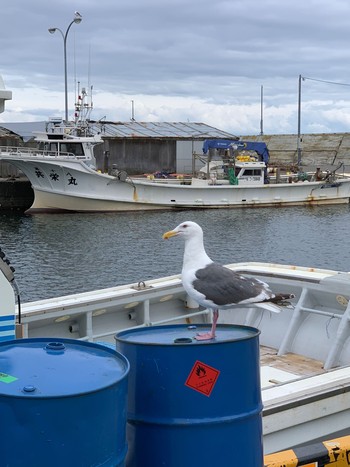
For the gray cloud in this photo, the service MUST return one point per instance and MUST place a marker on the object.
(214, 54)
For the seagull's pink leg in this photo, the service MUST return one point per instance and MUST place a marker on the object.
(205, 336)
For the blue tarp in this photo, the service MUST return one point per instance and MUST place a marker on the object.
(259, 147)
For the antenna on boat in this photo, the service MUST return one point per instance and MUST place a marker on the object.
(77, 103)
(83, 107)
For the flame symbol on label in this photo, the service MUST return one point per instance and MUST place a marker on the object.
(200, 371)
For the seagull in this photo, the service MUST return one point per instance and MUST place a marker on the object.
(216, 287)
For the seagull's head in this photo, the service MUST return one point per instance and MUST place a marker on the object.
(186, 230)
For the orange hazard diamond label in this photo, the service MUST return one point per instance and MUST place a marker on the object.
(202, 378)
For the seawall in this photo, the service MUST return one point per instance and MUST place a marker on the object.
(324, 149)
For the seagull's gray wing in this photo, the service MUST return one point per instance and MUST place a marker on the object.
(224, 287)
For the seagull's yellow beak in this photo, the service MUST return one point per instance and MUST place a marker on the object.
(171, 233)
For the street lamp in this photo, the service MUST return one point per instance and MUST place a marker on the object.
(77, 19)
(299, 122)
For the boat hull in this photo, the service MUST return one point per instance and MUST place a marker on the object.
(46, 201)
(71, 185)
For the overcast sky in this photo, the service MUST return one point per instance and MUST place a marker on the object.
(180, 60)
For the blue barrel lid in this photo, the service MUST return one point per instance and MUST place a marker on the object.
(182, 334)
(50, 367)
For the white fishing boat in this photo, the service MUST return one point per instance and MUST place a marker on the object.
(62, 171)
(305, 349)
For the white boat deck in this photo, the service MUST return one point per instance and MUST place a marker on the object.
(277, 369)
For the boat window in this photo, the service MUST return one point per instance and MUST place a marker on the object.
(74, 148)
(252, 172)
(44, 146)
(52, 147)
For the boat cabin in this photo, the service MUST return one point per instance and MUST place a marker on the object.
(241, 172)
(250, 173)
(62, 140)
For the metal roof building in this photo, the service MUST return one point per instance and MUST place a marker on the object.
(177, 130)
(147, 147)
(133, 129)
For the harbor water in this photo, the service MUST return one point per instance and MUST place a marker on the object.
(60, 254)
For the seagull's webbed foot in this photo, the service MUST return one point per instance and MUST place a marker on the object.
(206, 336)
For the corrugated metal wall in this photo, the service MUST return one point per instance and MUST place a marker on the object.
(184, 150)
(139, 156)
(7, 170)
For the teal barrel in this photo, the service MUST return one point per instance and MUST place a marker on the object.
(193, 403)
(62, 403)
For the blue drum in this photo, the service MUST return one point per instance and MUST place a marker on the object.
(193, 403)
(62, 403)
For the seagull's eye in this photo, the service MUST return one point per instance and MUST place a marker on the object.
(184, 226)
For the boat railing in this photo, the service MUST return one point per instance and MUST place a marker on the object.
(132, 310)
(33, 152)
(163, 181)
(321, 297)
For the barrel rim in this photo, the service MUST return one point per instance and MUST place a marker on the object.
(75, 342)
(119, 337)
(78, 344)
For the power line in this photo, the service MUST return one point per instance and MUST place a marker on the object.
(324, 81)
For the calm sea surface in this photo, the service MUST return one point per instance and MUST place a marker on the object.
(60, 254)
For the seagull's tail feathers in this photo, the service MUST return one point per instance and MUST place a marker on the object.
(268, 306)
(282, 297)
(276, 303)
